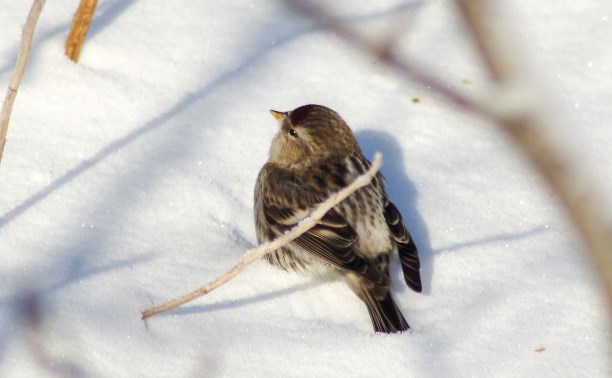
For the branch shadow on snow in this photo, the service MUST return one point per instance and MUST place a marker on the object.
(78, 269)
(242, 302)
(106, 14)
(188, 100)
(492, 239)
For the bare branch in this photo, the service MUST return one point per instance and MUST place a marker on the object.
(22, 60)
(277, 243)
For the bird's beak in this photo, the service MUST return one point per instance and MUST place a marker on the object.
(278, 115)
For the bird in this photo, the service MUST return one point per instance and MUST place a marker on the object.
(313, 155)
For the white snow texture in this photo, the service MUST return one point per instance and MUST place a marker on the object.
(127, 180)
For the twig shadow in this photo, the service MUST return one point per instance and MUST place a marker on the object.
(496, 238)
(106, 14)
(242, 302)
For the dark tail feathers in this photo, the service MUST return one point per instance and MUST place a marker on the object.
(409, 257)
(385, 315)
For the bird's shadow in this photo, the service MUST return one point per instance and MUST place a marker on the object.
(402, 192)
(404, 195)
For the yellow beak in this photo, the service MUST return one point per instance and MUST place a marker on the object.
(278, 115)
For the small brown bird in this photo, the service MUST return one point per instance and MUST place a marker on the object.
(313, 155)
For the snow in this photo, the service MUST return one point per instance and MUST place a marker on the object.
(128, 178)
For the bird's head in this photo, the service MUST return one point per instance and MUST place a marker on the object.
(309, 134)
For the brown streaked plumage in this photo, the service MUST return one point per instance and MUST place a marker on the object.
(313, 155)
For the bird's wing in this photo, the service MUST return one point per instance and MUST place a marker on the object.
(407, 250)
(331, 239)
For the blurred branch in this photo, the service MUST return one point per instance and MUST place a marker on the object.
(533, 130)
(30, 317)
(277, 243)
(20, 66)
(513, 106)
(80, 27)
(383, 49)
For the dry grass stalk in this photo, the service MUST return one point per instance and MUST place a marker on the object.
(20, 66)
(80, 27)
(272, 246)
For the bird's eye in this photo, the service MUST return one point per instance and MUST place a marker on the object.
(293, 133)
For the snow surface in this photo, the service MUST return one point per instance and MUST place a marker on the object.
(127, 180)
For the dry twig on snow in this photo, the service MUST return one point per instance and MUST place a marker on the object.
(277, 243)
(20, 66)
(80, 27)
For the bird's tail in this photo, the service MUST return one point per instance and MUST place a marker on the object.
(385, 315)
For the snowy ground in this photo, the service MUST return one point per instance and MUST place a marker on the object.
(127, 180)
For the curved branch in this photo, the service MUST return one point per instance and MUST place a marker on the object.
(272, 246)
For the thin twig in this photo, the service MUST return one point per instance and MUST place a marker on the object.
(80, 27)
(277, 243)
(20, 66)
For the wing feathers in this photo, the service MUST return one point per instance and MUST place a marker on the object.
(332, 239)
(407, 250)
